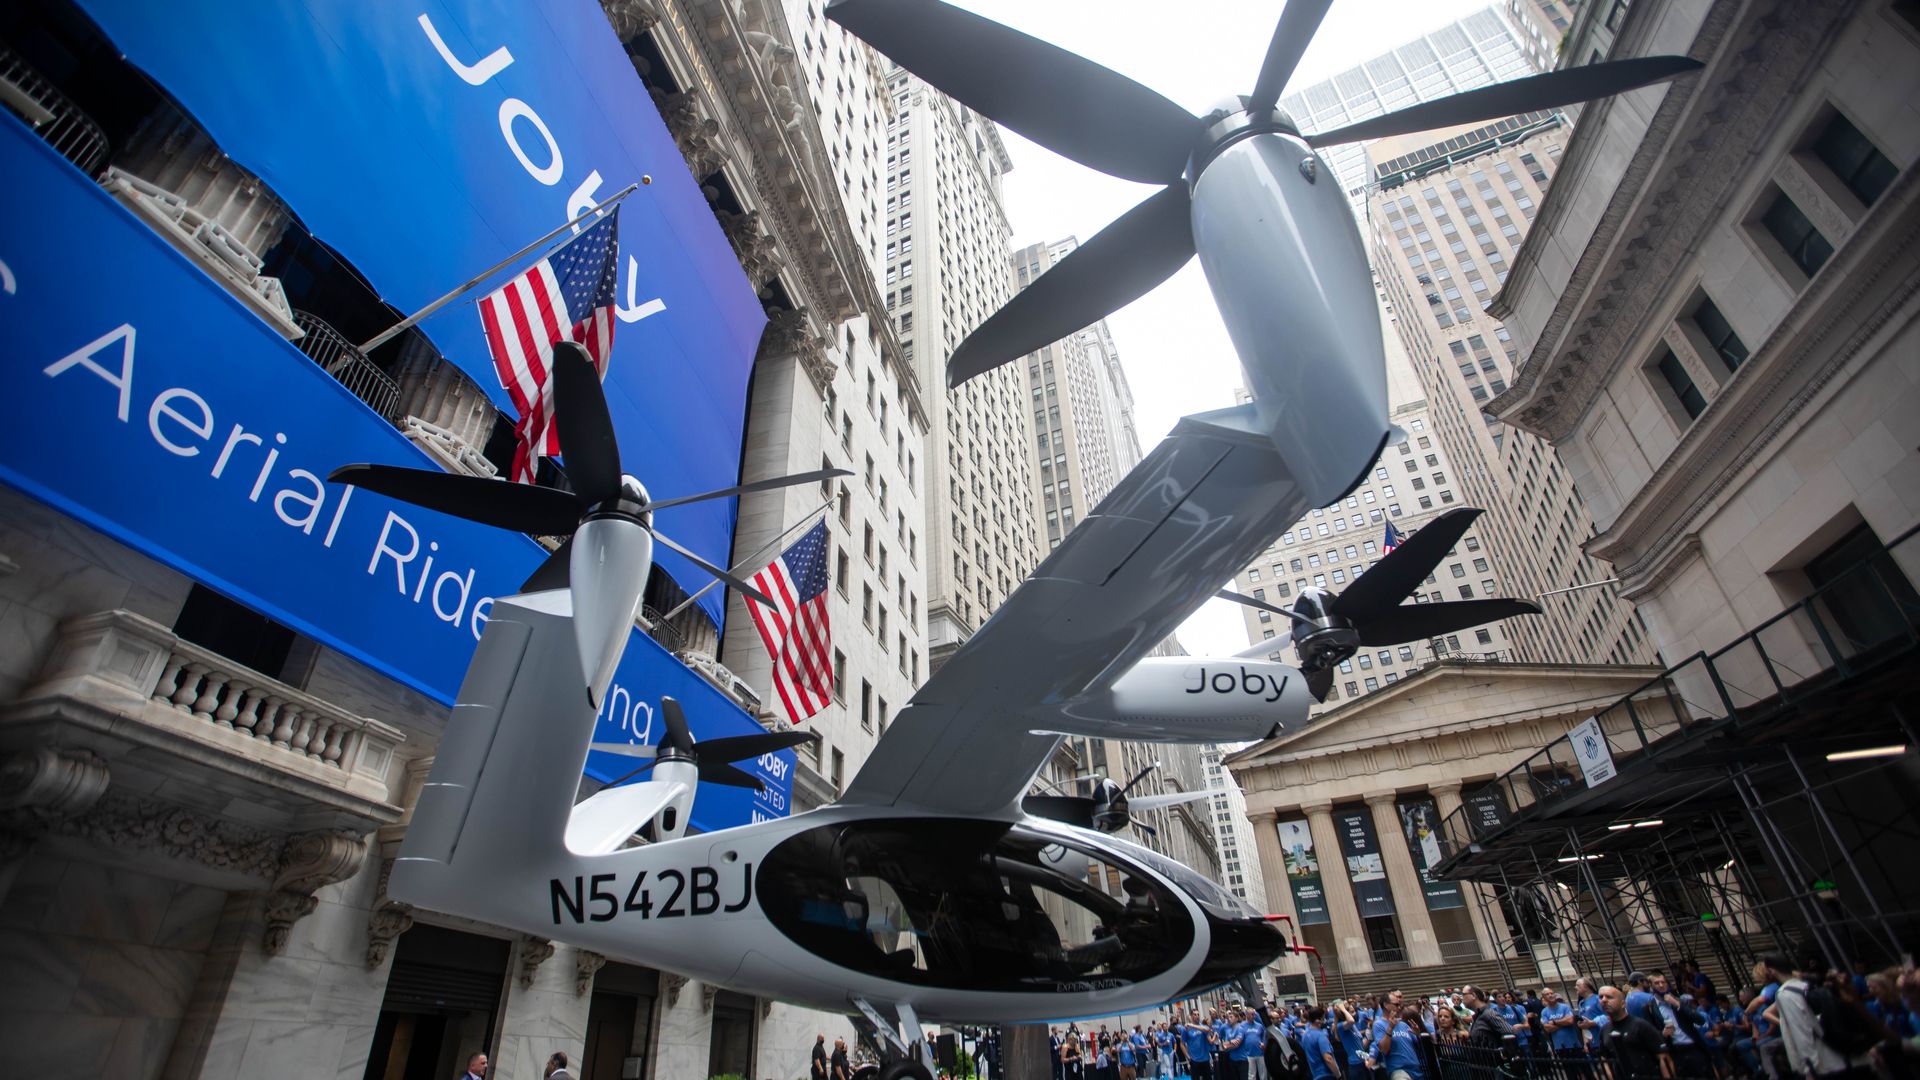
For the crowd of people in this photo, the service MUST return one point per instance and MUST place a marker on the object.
(1796, 1020)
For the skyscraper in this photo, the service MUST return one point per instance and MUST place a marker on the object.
(1447, 213)
(946, 259)
(1484, 48)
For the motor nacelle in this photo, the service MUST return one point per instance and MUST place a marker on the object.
(1186, 699)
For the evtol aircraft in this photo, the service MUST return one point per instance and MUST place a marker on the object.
(936, 887)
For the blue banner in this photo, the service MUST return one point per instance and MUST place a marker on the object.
(426, 142)
(150, 404)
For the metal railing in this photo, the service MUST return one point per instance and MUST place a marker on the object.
(53, 117)
(1791, 656)
(344, 361)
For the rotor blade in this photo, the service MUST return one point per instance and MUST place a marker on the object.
(1298, 22)
(1243, 598)
(541, 511)
(1141, 826)
(636, 750)
(1139, 250)
(1072, 809)
(719, 772)
(602, 822)
(553, 572)
(1531, 94)
(1319, 682)
(1411, 622)
(738, 585)
(1266, 648)
(677, 737)
(624, 777)
(747, 747)
(813, 477)
(1137, 777)
(1064, 102)
(1401, 571)
(587, 442)
(1161, 802)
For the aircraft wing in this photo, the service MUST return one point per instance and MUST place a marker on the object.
(1210, 497)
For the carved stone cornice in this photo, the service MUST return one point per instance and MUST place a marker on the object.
(759, 256)
(586, 964)
(1628, 265)
(534, 951)
(131, 824)
(308, 863)
(386, 921)
(671, 984)
(790, 333)
(630, 18)
(708, 993)
(697, 136)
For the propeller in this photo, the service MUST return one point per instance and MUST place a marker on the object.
(1106, 121)
(607, 518)
(1110, 807)
(1372, 610)
(712, 759)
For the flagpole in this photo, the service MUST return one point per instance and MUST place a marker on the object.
(749, 560)
(401, 327)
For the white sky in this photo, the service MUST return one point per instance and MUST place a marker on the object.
(1172, 343)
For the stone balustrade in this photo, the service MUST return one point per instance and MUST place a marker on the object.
(142, 670)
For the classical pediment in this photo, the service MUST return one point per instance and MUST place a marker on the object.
(1453, 698)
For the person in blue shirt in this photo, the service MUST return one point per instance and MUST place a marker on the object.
(1640, 999)
(1124, 1052)
(1322, 1060)
(1351, 1039)
(1198, 1038)
(1163, 1044)
(1381, 1027)
(1562, 1028)
(1253, 1046)
(1403, 1047)
(1222, 1032)
(1515, 1014)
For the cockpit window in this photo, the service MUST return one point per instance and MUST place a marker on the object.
(971, 905)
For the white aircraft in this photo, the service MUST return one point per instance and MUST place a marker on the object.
(927, 892)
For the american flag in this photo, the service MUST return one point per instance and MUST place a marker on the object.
(567, 296)
(795, 629)
(1393, 539)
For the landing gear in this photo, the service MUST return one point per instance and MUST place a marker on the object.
(904, 1053)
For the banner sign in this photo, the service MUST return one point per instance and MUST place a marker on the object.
(427, 142)
(1486, 809)
(1303, 873)
(149, 403)
(1364, 865)
(1420, 822)
(1590, 748)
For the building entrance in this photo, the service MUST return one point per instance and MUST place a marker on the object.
(442, 1004)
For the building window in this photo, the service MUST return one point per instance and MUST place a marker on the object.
(866, 706)
(1796, 235)
(1719, 333)
(1675, 376)
(1857, 162)
(839, 675)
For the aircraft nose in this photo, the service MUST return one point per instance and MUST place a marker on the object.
(1237, 946)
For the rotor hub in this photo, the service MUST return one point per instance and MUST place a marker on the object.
(1230, 122)
(630, 503)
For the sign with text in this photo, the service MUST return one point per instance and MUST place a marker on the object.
(427, 142)
(1420, 823)
(1591, 750)
(1365, 868)
(152, 405)
(1486, 809)
(1303, 872)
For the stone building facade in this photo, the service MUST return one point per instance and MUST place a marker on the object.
(1716, 310)
(1346, 814)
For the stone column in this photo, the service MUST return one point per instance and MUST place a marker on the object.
(1409, 898)
(1446, 799)
(1349, 934)
(1273, 872)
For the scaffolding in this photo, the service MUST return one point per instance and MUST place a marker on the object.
(1764, 798)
